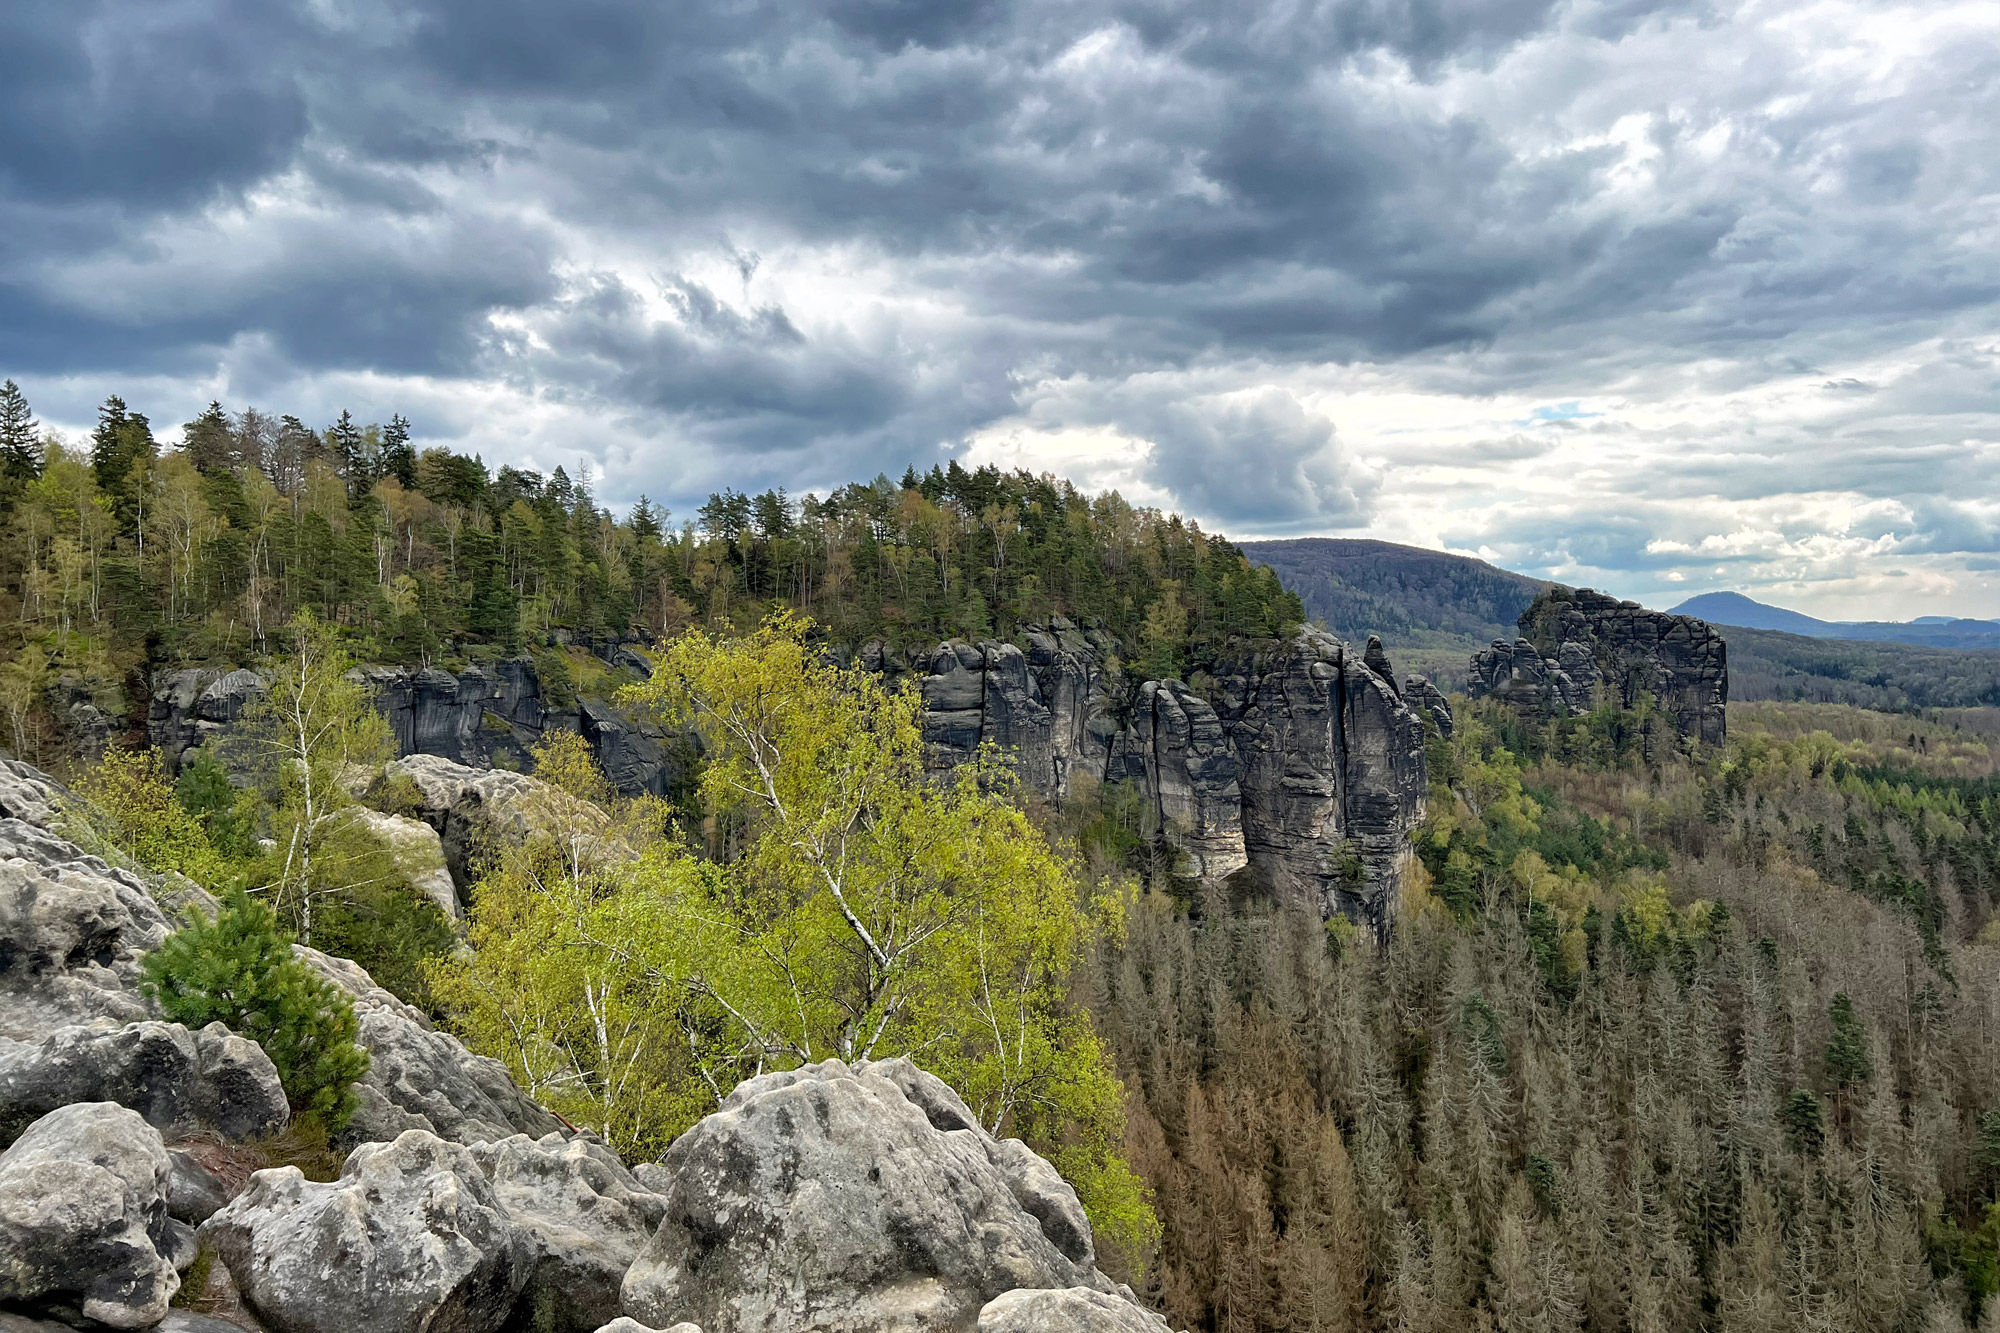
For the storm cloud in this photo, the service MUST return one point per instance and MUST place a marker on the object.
(1660, 296)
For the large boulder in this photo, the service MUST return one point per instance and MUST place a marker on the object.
(84, 1231)
(72, 929)
(826, 1198)
(475, 810)
(1066, 1310)
(181, 1082)
(410, 1239)
(420, 1078)
(418, 851)
(587, 1217)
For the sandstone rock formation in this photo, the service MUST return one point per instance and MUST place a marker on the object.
(1579, 647)
(826, 1198)
(180, 1082)
(1066, 1310)
(418, 850)
(585, 1214)
(422, 1079)
(1300, 762)
(411, 1238)
(72, 930)
(472, 808)
(84, 1231)
(481, 716)
(1429, 701)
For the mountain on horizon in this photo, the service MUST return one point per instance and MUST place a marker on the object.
(1733, 609)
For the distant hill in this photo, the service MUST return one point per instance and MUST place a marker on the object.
(1431, 609)
(1735, 610)
(1434, 610)
(1884, 674)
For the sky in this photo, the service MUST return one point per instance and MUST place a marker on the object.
(1662, 298)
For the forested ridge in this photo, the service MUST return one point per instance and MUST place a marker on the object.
(119, 555)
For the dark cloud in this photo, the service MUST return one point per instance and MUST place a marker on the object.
(804, 242)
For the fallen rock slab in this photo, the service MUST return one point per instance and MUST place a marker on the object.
(84, 1231)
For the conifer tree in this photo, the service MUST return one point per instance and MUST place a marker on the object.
(20, 436)
(239, 970)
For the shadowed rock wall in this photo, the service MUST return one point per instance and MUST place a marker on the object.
(1297, 762)
(1579, 647)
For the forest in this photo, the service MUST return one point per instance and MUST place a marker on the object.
(119, 555)
(1662, 1039)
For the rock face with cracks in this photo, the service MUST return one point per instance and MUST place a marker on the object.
(410, 1239)
(827, 1198)
(181, 1082)
(587, 1217)
(1066, 1310)
(1299, 761)
(84, 1231)
(1579, 648)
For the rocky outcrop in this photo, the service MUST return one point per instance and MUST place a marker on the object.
(485, 716)
(72, 929)
(585, 1214)
(1429, 702)
(1068, 1310)
(422, 1079)
(1331, 763)
(1579, 648)
(84, 1231)
(182, 1083)
(418, 851)
(474, 810)
(1299, 761)
(411, 1238)
(827, 1198)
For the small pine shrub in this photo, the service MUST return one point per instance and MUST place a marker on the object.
(238, 969)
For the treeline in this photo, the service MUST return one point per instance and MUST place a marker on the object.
(1690, 1046)
(118, 553)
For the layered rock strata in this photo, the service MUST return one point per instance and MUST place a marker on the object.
(1299, 762)
(1579, 648)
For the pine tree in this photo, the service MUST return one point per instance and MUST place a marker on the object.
(399, 459)
(20, 437)
(239, 970)
(208, 439)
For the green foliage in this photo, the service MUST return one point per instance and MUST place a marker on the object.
(1847, 1062)
(129, 805)
(239, 970)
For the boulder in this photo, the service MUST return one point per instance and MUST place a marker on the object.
(181, 1082)
(825, 1198)
(625, 1324)
(1066, 1310)
(475, 808)
(587, 1216)
(409, 1239)
(28, 794)
(72, 930)
(84, 1230)
(418, 853)
(420, 1078)
(195, 1193)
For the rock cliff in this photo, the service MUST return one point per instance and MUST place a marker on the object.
(1579, 648)
(1299, 762)
(481, 716)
